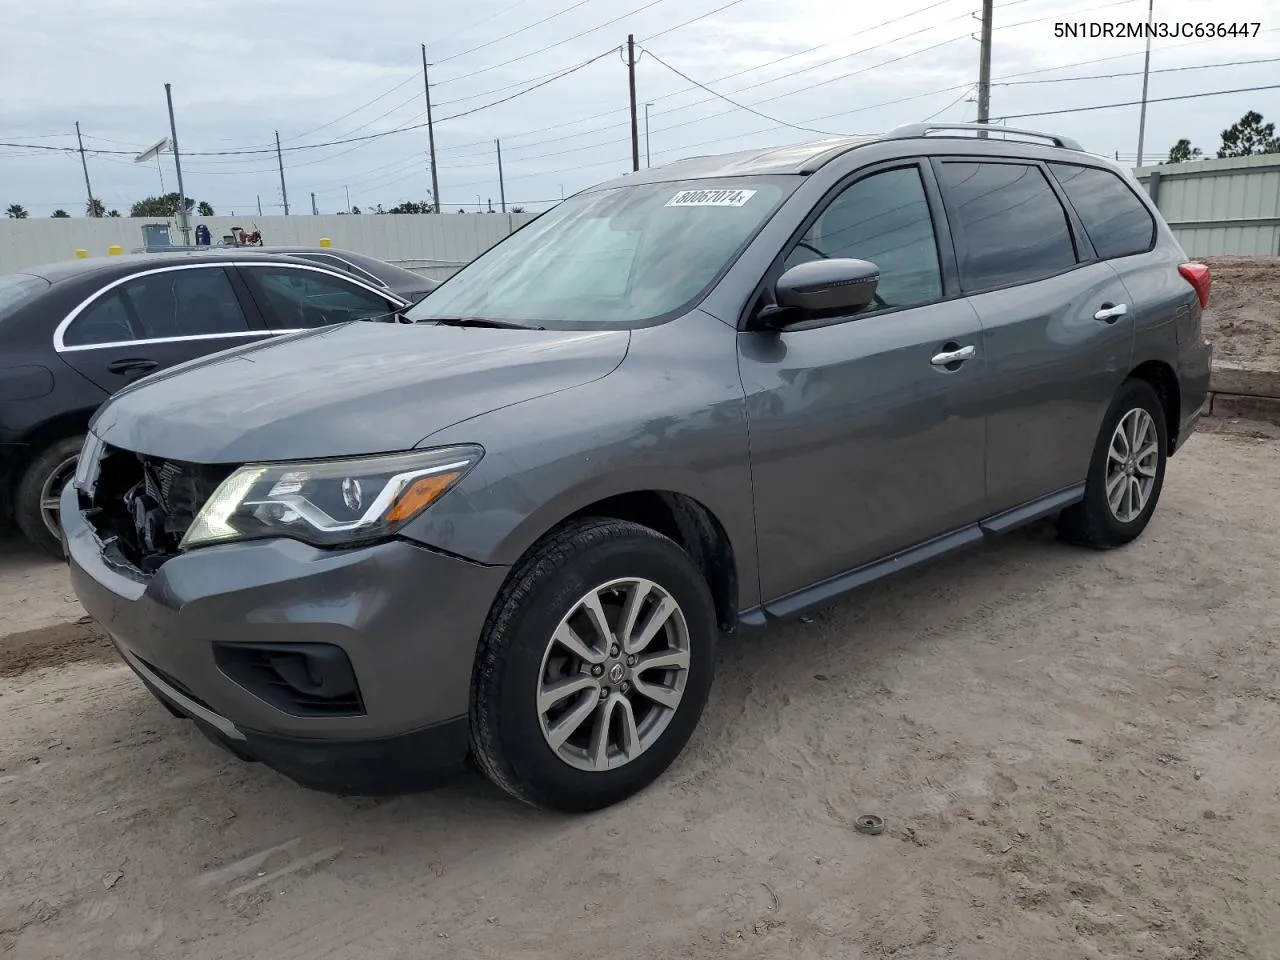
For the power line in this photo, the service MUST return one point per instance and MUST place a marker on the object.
(1134, 103)
(740, 106)
(709, 13)
(551, 46)
(513, 33)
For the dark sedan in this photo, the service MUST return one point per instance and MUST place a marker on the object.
(72, 334)
(406, 283)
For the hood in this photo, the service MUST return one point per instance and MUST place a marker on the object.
(356, 389)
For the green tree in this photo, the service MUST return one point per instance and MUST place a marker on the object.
(411, 206)
(1248, 137)
(94, 208)
(16, 211)
(1182, 151)
(166, 206)
(517, 209)
(114, 213)
(204, 209)
(60, 214)
(355, 210)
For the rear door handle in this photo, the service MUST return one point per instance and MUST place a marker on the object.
(1111, 312)
(132, 365)
(947, 357)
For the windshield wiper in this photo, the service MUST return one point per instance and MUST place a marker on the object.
(481, 322)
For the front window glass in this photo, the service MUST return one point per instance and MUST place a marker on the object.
(613, 257)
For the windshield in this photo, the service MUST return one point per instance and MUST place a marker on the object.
(616, 257)
(16, 289)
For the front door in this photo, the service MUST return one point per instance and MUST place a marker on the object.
(866, 430)
(154, 320)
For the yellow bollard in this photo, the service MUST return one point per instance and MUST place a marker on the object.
(115, 250)
(81, 253)
(326, 242)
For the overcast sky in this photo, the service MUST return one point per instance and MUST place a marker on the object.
(242, 69)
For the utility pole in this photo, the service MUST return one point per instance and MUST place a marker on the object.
(85, 164)
(984, 66)
(284, 194)
(1146, 75)
(431, 135)
(177, 165)
(347, 190)
(314, 211)
(502, 187)
(259, 204)
(631, 80)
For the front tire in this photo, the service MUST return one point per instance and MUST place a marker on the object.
(1126, 474)
(35, 500)
(594, 666)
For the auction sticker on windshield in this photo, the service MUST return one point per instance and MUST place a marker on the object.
(711, 198)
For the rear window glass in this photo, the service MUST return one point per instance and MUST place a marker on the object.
(16, 289)
(1117, 221)
(1014, 230)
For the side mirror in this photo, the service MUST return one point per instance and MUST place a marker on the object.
(837, 285)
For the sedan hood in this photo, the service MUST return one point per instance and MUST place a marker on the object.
(357, 389)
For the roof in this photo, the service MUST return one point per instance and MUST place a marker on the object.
(794, 158)
(804, 158)
(67, 269)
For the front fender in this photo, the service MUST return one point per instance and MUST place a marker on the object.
(667, 420)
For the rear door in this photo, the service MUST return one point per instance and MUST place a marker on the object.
(156, 319)
(1057, 329)
(295, 297)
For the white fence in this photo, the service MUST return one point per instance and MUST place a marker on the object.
(1220, 207)
(428, 244)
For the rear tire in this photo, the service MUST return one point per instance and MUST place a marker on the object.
(41, 484)
(634, 695)
(1126, 474)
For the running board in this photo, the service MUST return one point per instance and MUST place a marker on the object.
(827, 591)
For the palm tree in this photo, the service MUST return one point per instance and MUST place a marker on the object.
(60, 214)
(16, 211)
(95, 208)
(204, 209)
(114, 213)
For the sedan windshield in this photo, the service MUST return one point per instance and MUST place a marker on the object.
(615, 257)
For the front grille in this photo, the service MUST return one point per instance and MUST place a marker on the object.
(142, 506)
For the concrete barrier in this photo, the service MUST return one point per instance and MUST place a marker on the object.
(1244, 381)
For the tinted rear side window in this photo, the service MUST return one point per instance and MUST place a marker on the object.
(1117, 221)
(1012, 227)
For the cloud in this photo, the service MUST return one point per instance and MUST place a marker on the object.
(243, 69)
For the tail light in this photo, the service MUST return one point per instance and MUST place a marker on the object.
(1200, 277)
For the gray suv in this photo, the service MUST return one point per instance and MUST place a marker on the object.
(680, 404)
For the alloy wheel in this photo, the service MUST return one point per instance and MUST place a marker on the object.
(1133, 459)
(51, 494)
(613, 674)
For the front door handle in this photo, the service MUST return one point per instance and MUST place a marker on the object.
(1111, 312)
(948, 357)
(132, 365)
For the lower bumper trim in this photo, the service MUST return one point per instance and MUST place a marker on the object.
(406, 763)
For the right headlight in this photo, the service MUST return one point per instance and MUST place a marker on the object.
(329, 502)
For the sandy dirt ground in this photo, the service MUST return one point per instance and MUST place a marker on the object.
(1077, 755)
(1243, 318)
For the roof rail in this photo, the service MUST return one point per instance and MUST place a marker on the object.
(912, 130)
